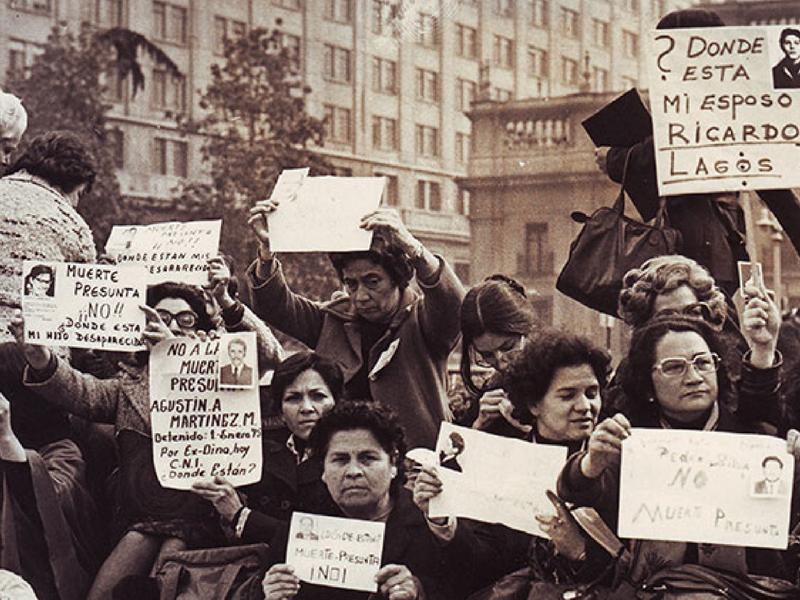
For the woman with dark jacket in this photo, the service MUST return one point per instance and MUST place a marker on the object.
(677, 379)
(305, 387)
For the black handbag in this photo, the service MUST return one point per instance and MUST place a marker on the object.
(608, 246)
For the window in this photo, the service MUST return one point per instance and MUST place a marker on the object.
(539, 13)
(225, 29)
(384, 76)
(429, 195)
(600, 33)
(504, 8)
(116, 143)
(427, 85)
(503, 52)
(337, 124)
(384, 133)
(462, 147)
(466, 41)
(384, 17)
(115, 85)
(290, 4)
(632, 5)
(427, 30)
(391, 196)
(338, 10)
(337, 64)
(108, 13)
(630, 44)
(169, 93)
(570, 25)
(462, 202)
(659, 8)
(538, 258)
(427, 141)
(21, 56)
(537, 62)
(502, 95)
(37, 6)
(599, 79)
(170, 157)
(293, 47)
(628, 82)
(465, 93)
(169, 22)
(569, 71)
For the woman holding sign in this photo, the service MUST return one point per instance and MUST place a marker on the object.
(362, 447)
(677, 380)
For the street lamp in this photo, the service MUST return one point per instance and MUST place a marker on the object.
(771, 226)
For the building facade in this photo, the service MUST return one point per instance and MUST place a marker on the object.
(393, 77)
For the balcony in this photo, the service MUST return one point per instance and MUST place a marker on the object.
(443, 225)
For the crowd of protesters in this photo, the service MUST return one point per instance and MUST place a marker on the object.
(83, 515)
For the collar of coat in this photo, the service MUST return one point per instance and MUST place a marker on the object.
(342, 308)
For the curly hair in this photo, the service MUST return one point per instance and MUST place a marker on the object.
(289, 369)
(372, 416)
(497, 305)
(396, 262)
(191, 294)
(637, 379)
(13, 116)
(61, 159)
(664, 274)
(530, 374)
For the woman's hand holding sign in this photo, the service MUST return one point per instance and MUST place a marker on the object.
(37, 357)
(396, 582)
(221, 494)
(605, 445)
(280, 583)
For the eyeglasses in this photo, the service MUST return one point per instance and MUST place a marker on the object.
(708, 362)
(488, 358)
(185, 318)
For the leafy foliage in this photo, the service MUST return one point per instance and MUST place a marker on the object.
(256, 125)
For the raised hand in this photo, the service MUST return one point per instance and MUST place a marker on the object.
(495, 404)
(396, 582)
(37, 357)
(760, 323)
(155, 330)
(280, 583)
(221, 494)
(426, 485)
(219, 276)
(605, 445)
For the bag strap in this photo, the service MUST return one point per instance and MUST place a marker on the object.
(619, 204)
(227, 580)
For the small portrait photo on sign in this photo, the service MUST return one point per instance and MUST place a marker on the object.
(769, 481)
(40, 281)
(786, 73)
(236, 358)
(453, 448)
(751, 274)
(306, 529)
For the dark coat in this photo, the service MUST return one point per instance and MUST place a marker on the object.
(786, 75)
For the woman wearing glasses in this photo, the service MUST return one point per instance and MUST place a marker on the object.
(496, 317)
(677, 379)
(148, 519)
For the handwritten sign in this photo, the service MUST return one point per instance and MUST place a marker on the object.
(722, 121)
(83, 306)
(469, 463)
(705, 487)
(336, 552)
(200, 430)
(170, 251)
(324, 215)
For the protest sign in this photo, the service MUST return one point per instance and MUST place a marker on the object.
(79, 305)
(705, 487)
(199, 429)
(336, 552)
(722, 120)
(470, 461)
(170, 251)
(324, 215)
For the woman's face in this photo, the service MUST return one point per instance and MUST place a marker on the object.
(496, 350)
(304, 401)
(568, 411)
(674, 300)
(358, 473)
(683, 397)
(177, 315)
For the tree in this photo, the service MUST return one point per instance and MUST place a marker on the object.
(256, 125)
(64, 89)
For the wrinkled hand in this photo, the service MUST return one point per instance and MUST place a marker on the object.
(760, 323)
(37, 357)
(426, 486)
(259, 216)
(396, 582)
(280, 583)
(600, 158)
(221, 494)
(219, 276)
(386, 222)
(155, 330)
(567, 537)
(605, 445)
(495, 404)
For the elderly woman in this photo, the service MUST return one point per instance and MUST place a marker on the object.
(362, 447)
(391, 342)
(13, 123)
(38, 220)
(149, 519)
(677, 379)
(496, 315)
(554, 384)
(305, 387)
